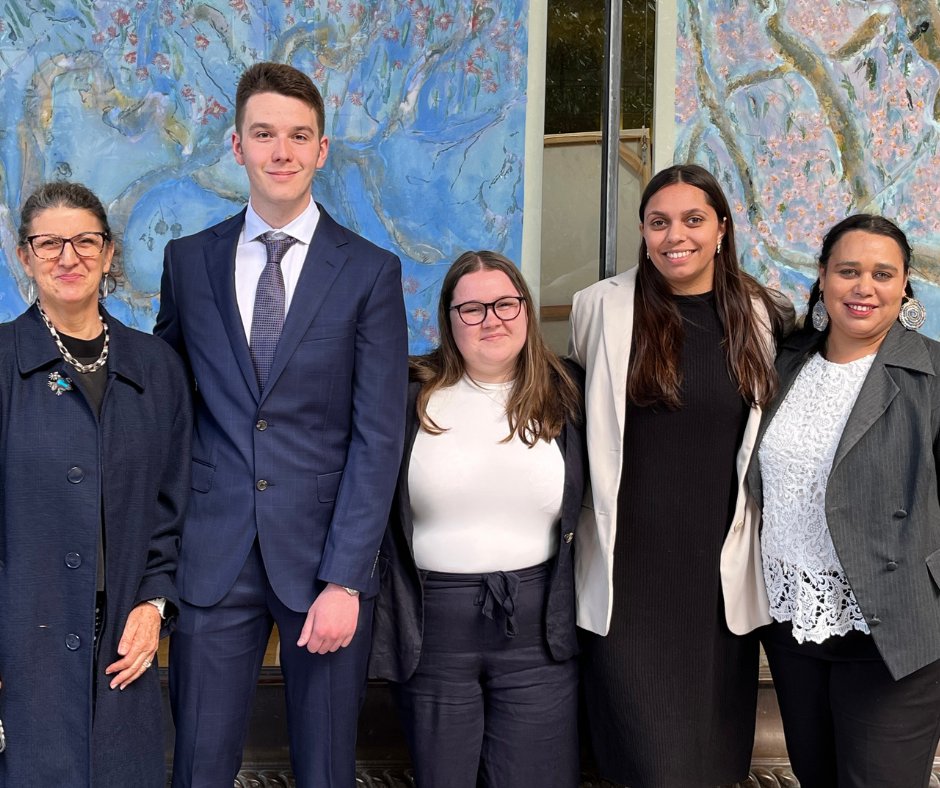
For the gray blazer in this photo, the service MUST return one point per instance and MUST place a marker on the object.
(882, 502)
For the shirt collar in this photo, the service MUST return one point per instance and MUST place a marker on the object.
(301, 228)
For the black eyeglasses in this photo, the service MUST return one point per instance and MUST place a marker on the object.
(50, 247)
(472, 313)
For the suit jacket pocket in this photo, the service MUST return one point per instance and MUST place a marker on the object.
(328, 486)
(202, 473)
(329, 329)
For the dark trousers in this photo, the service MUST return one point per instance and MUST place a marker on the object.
(215, 657)
(847, 723)
(487, 705)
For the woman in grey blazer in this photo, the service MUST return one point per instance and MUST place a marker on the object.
(847, 479)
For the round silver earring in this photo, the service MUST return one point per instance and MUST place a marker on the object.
(106, 286)
(912, 314)
(32, 292)
(820, 316)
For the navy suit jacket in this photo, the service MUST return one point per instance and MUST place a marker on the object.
(309, 465)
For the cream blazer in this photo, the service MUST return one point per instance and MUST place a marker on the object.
(601, 336)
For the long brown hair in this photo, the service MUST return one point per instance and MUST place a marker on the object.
(543, 395)
(654, 376)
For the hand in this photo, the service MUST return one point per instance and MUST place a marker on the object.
(331, 621)
(138, 646)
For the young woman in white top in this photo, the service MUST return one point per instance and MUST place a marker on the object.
(474, 623)
(847, 476)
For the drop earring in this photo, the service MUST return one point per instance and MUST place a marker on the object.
(912, 314)
(820, 316)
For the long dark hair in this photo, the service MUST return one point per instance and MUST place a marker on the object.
(654, 376)
(543, 393)
(866, 223)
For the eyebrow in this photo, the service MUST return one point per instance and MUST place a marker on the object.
(689, 212)
(262, 126)
(878, 265)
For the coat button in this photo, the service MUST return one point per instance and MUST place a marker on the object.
(738, 525)
(73, 642)
(261, 485)
(73, 560)
(569, 536)
(901, 513)
(75, 474)
(874, 621)
(891, 566)
(261, 425)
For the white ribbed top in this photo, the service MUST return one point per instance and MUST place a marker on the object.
(480, 505)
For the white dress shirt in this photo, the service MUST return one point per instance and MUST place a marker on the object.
(251, 257)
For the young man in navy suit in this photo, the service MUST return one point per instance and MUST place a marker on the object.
(293, 330)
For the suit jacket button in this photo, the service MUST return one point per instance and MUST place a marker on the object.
(261, 485)
(874, 621)
(901, 513)
(569, 536)
(75, 474)
(73, 642)
(73, 560)
(891, 566)
(261, 425)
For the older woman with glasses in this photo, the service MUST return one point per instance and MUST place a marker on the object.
(94, 450)
(474, 623)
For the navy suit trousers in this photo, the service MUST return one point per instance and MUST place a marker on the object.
(215, 658)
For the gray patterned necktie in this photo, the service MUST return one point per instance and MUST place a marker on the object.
(268, 317)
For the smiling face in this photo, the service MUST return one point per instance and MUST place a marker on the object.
(68, 283)
(491, 349)
(682, 231)
(281, 148)
(862, 285)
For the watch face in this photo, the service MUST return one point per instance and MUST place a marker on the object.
(3, 738)
(351, 591)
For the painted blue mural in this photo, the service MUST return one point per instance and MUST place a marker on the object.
(807, 111)
(425, 113)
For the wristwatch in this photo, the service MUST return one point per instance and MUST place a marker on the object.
(350, 591)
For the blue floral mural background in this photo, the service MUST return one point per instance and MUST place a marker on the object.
(425, 113)
(808, 110)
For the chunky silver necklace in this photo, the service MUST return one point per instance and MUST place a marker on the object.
(85, 368)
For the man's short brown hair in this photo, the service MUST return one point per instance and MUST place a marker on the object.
(278, 78)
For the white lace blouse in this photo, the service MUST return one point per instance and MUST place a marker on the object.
(805, 580)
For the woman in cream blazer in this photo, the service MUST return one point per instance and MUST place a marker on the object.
(686, 339)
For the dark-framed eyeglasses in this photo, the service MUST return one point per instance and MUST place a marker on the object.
(50, 247)
(472, 313)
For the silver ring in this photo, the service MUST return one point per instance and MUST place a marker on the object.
(147, 664)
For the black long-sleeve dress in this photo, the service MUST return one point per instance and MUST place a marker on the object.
(671, 693)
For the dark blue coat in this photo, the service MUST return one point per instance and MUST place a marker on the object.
(398, 622)
(59, 463)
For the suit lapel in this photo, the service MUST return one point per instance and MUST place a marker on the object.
(220, 264)
(900, 348)
(325, 259)
(617, 327)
